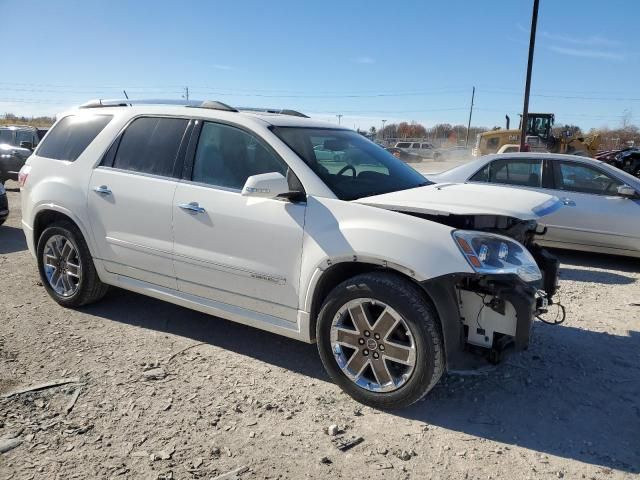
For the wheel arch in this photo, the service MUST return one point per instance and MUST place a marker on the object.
(50, 214)
(324, 280)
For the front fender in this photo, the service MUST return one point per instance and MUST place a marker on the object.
(337, 231)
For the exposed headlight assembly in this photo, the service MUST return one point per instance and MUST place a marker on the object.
(490, 253)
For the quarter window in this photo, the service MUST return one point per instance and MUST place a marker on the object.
(575, 177)
(150, 145)
(226, 156)
(71, 136)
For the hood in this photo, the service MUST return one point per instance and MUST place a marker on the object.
(467, 199)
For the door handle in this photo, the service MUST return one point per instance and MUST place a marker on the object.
(102, 189)
(192, 207)
(568, 202)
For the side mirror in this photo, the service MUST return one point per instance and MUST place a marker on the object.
(28, 145)
(627, 191)
(266, 185)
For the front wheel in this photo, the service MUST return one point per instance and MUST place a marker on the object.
(66, 267)
(380, 340)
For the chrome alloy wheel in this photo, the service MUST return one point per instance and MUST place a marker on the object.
(373, 345)
(62, 265)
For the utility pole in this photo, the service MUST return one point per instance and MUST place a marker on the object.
(527, 88)
(473, 95)
(186, 93)
(339, 117)
(382, 131)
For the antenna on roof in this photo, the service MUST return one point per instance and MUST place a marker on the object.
(125, 94)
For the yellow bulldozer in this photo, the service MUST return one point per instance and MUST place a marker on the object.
(539, 137)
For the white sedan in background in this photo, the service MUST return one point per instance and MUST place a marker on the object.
(601, 203)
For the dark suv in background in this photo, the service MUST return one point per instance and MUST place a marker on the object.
(16, 144)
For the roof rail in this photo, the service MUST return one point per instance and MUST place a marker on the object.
(125, 102)
(215, 105)
(281, 111)
(211, 104)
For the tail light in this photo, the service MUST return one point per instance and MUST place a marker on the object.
(23, 175)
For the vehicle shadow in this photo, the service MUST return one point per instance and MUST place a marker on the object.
(11, 240)
(598, 260)
(146, 312)
(595, 276)
(573, 394)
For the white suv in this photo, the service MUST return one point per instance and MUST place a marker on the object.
(232, 213)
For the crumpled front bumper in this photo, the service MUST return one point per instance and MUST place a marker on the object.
(506, 295)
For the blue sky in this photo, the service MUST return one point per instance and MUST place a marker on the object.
(367, 60)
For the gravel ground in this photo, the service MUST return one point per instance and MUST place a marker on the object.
(162, 392)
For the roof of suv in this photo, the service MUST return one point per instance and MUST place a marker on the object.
(212, 110)
(17, 127)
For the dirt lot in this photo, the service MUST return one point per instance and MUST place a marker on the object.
(147, 408)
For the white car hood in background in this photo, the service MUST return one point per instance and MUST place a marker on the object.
(467, 199)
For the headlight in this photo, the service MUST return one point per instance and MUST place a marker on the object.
(490, 253)
(6, 155)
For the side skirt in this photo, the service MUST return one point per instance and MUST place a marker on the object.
(298, 330)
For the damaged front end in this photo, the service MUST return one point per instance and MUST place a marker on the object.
(493, 309)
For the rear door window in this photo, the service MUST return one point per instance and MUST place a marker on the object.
(150, 145)
(72, 135)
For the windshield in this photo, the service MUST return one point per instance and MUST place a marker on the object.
(6, 136)
(350, 165)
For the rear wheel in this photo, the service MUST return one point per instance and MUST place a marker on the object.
(66, 267)
(380, 340)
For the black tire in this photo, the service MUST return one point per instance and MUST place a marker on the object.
(90, 289)
(419, 315)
